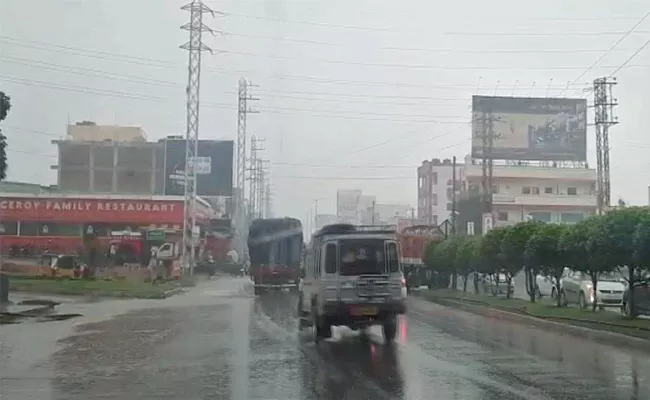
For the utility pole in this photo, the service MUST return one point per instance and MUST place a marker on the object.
(243, 109)
(373, 211)
(487, 142)
(604, 104)
(195, 48)
(453, 196)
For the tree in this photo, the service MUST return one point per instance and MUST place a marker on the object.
(626, 234)
(490, 252)
(5, 106)
(543, 253)
(513, 247)
(586, 246)
(439, 274)
(466, 257)
(445, 258)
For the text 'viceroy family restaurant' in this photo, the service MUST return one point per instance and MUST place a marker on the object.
(59, 223)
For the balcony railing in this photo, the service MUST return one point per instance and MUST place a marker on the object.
(583, 200)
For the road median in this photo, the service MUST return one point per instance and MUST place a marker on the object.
(114, 288)
(602, 326)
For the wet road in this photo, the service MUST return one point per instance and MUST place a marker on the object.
(217, 342)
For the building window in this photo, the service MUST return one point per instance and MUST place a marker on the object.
(449, 206)
(8, 228)
(420, 182)
(503, 216)
(449, 183)
(534, 190)
(525, 190)
(435, 220)
(572, 218)
(548, 190)
(541, 216)
(572, 191)
(50, 229)
(434, 178)
(495, 188)
(434, 199)
(449, 193)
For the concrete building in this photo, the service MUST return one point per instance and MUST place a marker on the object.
(87, 131)
(111, 167)
(109, 159)
(390, 213)
(324, 219)
(435, 183)
(347, 205)
(24, 187)
(544, 193)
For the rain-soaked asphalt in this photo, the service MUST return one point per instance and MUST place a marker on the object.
(217, 342)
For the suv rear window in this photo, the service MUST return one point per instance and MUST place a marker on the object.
(362, 256)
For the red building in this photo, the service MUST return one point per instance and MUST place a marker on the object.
(60, 222)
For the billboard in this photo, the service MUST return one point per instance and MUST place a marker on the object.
(525, 128)
(214, 166)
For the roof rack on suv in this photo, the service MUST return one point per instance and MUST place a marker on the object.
(342, 229)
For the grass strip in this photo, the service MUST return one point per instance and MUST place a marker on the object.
(602, 320)
(98, 287)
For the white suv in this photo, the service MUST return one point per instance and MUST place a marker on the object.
(352, 277)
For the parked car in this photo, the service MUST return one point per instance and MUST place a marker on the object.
(546, 285)
(641, 299)
(578, 289)
(498, 285)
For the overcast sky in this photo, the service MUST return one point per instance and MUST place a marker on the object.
(353, 94)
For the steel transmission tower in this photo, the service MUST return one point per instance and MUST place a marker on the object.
(195, 47)
(268, 199)
(262, 187)
(604, 104)
(256, 178)
(243, 109)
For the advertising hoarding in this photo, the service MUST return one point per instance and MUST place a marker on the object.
(525, 128)
(214, 167)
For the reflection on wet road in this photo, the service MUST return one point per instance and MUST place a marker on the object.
(219, 343)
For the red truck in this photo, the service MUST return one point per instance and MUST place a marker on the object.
(275, 247)
(414, 241)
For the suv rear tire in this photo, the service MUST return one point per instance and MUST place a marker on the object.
(389, 328)
(321, 329)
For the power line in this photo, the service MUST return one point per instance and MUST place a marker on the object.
(346, 178)
(560, 34)
(416, 66)
(166, 64)
(335, 114)
(301, 78)
(612, 47)
(156, 82)
(287, 164)
(421, 49)
(458, 33)
(630, 58)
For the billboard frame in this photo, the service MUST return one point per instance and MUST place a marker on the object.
(567, 129)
